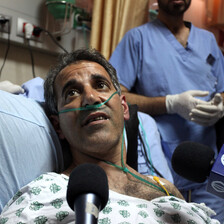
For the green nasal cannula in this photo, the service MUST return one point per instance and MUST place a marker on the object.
(123, 167)
(88, 107)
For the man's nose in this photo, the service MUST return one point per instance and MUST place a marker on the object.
(90, 97)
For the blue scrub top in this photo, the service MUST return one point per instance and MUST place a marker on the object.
(150, 61)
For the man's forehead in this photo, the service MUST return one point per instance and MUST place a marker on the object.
(82, 65)
(74, 70)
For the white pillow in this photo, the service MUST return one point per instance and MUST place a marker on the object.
(29, 146)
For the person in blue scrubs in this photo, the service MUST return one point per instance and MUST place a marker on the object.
(174, 72)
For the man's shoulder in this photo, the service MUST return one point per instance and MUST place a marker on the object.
(142, 29)
(201, 37)
(140, 33)
(202, 31)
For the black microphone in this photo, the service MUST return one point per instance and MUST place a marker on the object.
(87, 192)
(196, 162)
(193, 161)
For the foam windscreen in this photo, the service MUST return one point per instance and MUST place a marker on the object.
(87, 178)
(193, 161)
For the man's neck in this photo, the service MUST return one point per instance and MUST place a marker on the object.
(111, 155)
(177, 27)
(173, 23)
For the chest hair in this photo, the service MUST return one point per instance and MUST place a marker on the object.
(137, 188)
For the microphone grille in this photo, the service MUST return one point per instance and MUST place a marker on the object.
(87, 178)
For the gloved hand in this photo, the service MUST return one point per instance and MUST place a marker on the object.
(10, 87)
(209, 114)
(183, 103)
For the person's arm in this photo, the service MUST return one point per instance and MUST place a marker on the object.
(181, 104)
(149, 105)
(222, 94)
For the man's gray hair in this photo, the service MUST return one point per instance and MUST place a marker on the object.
(72, 58)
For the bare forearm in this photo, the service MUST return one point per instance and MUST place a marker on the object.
(150, 105)
(222, 94)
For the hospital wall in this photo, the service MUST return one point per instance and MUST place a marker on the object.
(197, 14)
(18, 67)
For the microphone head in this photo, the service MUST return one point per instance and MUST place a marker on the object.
(87, 178)
(193, 161)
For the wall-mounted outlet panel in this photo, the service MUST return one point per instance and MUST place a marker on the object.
(5, 26)
(20, 30)
(37, 14)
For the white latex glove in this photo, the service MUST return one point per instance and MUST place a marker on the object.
(207, 115)
(183, 103)
(10, 87)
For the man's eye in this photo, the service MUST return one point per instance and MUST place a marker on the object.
(72, 92)
(102, 85)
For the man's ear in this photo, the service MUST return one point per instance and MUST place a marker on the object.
(55, 122)
(125, 107)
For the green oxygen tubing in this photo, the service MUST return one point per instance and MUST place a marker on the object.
(88, 107)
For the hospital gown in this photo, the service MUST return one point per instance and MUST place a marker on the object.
(44, 201)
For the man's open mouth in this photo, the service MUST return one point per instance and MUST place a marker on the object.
(95, 117)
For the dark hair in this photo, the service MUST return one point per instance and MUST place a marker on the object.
(70, 58)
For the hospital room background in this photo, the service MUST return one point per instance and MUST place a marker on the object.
(79, 23)
(32, 35)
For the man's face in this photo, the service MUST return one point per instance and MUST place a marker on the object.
(174, 7)
(88, 83)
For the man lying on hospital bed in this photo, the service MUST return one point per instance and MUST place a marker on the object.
(27, 135)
